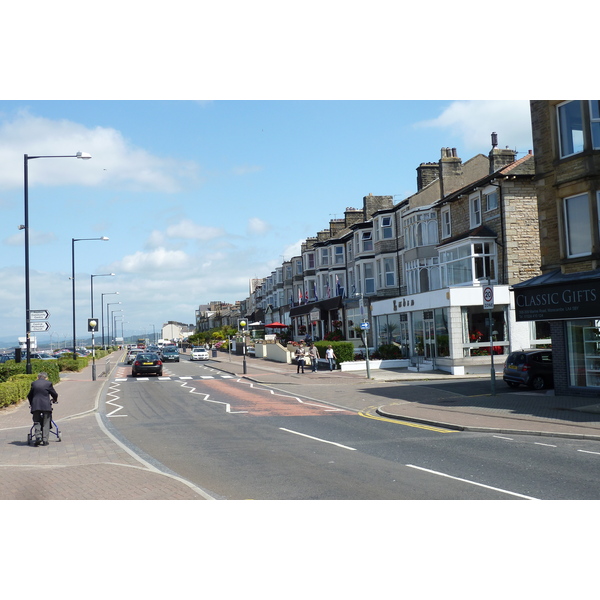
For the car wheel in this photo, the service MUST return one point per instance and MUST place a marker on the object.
(512, 384)
(538, 383)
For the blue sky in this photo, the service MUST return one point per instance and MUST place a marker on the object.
(198, 197)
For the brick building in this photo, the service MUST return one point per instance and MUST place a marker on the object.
(566, 140)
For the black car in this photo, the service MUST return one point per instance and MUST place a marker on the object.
(529, 367)
(146, 363)
(170, 354)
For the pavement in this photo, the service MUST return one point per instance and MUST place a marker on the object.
(90, 463)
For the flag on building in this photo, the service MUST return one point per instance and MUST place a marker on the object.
(315, 292)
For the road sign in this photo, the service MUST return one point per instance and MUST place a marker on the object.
(365, 325)
(488, 297)
(40, 326)
(38, 315)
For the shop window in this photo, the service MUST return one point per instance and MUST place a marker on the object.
(583, 347)
(476, 328)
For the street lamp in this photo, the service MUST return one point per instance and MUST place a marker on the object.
(108, 323)
(112, 322)
(25, 226)
(73, 240)
(92, 317)
(153, 334)
(102, 313)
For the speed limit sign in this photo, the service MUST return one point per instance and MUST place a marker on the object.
(488, 297)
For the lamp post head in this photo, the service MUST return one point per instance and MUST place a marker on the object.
(83, 155)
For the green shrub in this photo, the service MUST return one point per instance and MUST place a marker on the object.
(389, 352)
(71, 364)
(344, 351)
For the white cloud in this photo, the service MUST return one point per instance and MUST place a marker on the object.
(188, 230)
(293, 249)
(158, 260)
(115, 161)
(475, 120)
(257, 226)
(36, 238)
(246, 169)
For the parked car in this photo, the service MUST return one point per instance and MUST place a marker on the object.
(132, 354)
(170, 354)
(147, 363)
(531, 367)
(199, 353)
(42, 356)
(6, 357)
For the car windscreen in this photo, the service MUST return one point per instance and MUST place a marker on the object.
(146, 357)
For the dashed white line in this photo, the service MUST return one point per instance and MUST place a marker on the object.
(489, 487)
(549, 445)
(588, 452)
(317, 439)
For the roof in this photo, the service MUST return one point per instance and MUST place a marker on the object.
(523, 167)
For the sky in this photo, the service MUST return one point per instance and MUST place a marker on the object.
(199, 197)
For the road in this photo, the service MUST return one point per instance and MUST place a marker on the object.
(239, 440)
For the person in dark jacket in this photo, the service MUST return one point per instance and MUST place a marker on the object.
(42, 396)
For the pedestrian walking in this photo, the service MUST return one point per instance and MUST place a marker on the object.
(331, 357)
(300, 358)
(42, 396)
(313, 353)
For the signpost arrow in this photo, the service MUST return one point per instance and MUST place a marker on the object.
(38, 315)
(40, 326)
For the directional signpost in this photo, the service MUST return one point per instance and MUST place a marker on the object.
(39, 315)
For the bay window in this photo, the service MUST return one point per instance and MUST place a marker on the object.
(469, 263)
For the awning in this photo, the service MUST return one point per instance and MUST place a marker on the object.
(557, 296)
(304, 309)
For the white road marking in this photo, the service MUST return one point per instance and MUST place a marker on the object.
(317, 439)
(489, 487)
(503, 438)
(588, 452)
(549, 445)
(113, 392)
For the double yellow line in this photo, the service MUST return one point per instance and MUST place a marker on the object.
(371, 414)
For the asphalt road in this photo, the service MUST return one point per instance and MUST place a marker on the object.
(238, 440)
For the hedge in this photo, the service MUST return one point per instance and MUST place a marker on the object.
(344, 351)
(15, 382)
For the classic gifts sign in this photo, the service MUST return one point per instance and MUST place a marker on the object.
(574, 300)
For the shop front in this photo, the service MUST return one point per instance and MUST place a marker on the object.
(571, 304)
(449, 329)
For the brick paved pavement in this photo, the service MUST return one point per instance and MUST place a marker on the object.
(88, 464)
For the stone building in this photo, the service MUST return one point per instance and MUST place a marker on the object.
(484, 232)
(566, 141)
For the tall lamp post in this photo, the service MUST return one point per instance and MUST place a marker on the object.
(73, 240)
(108, 323)
(113, 321)
(25, 226)
(94, 318)
(102, 313)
